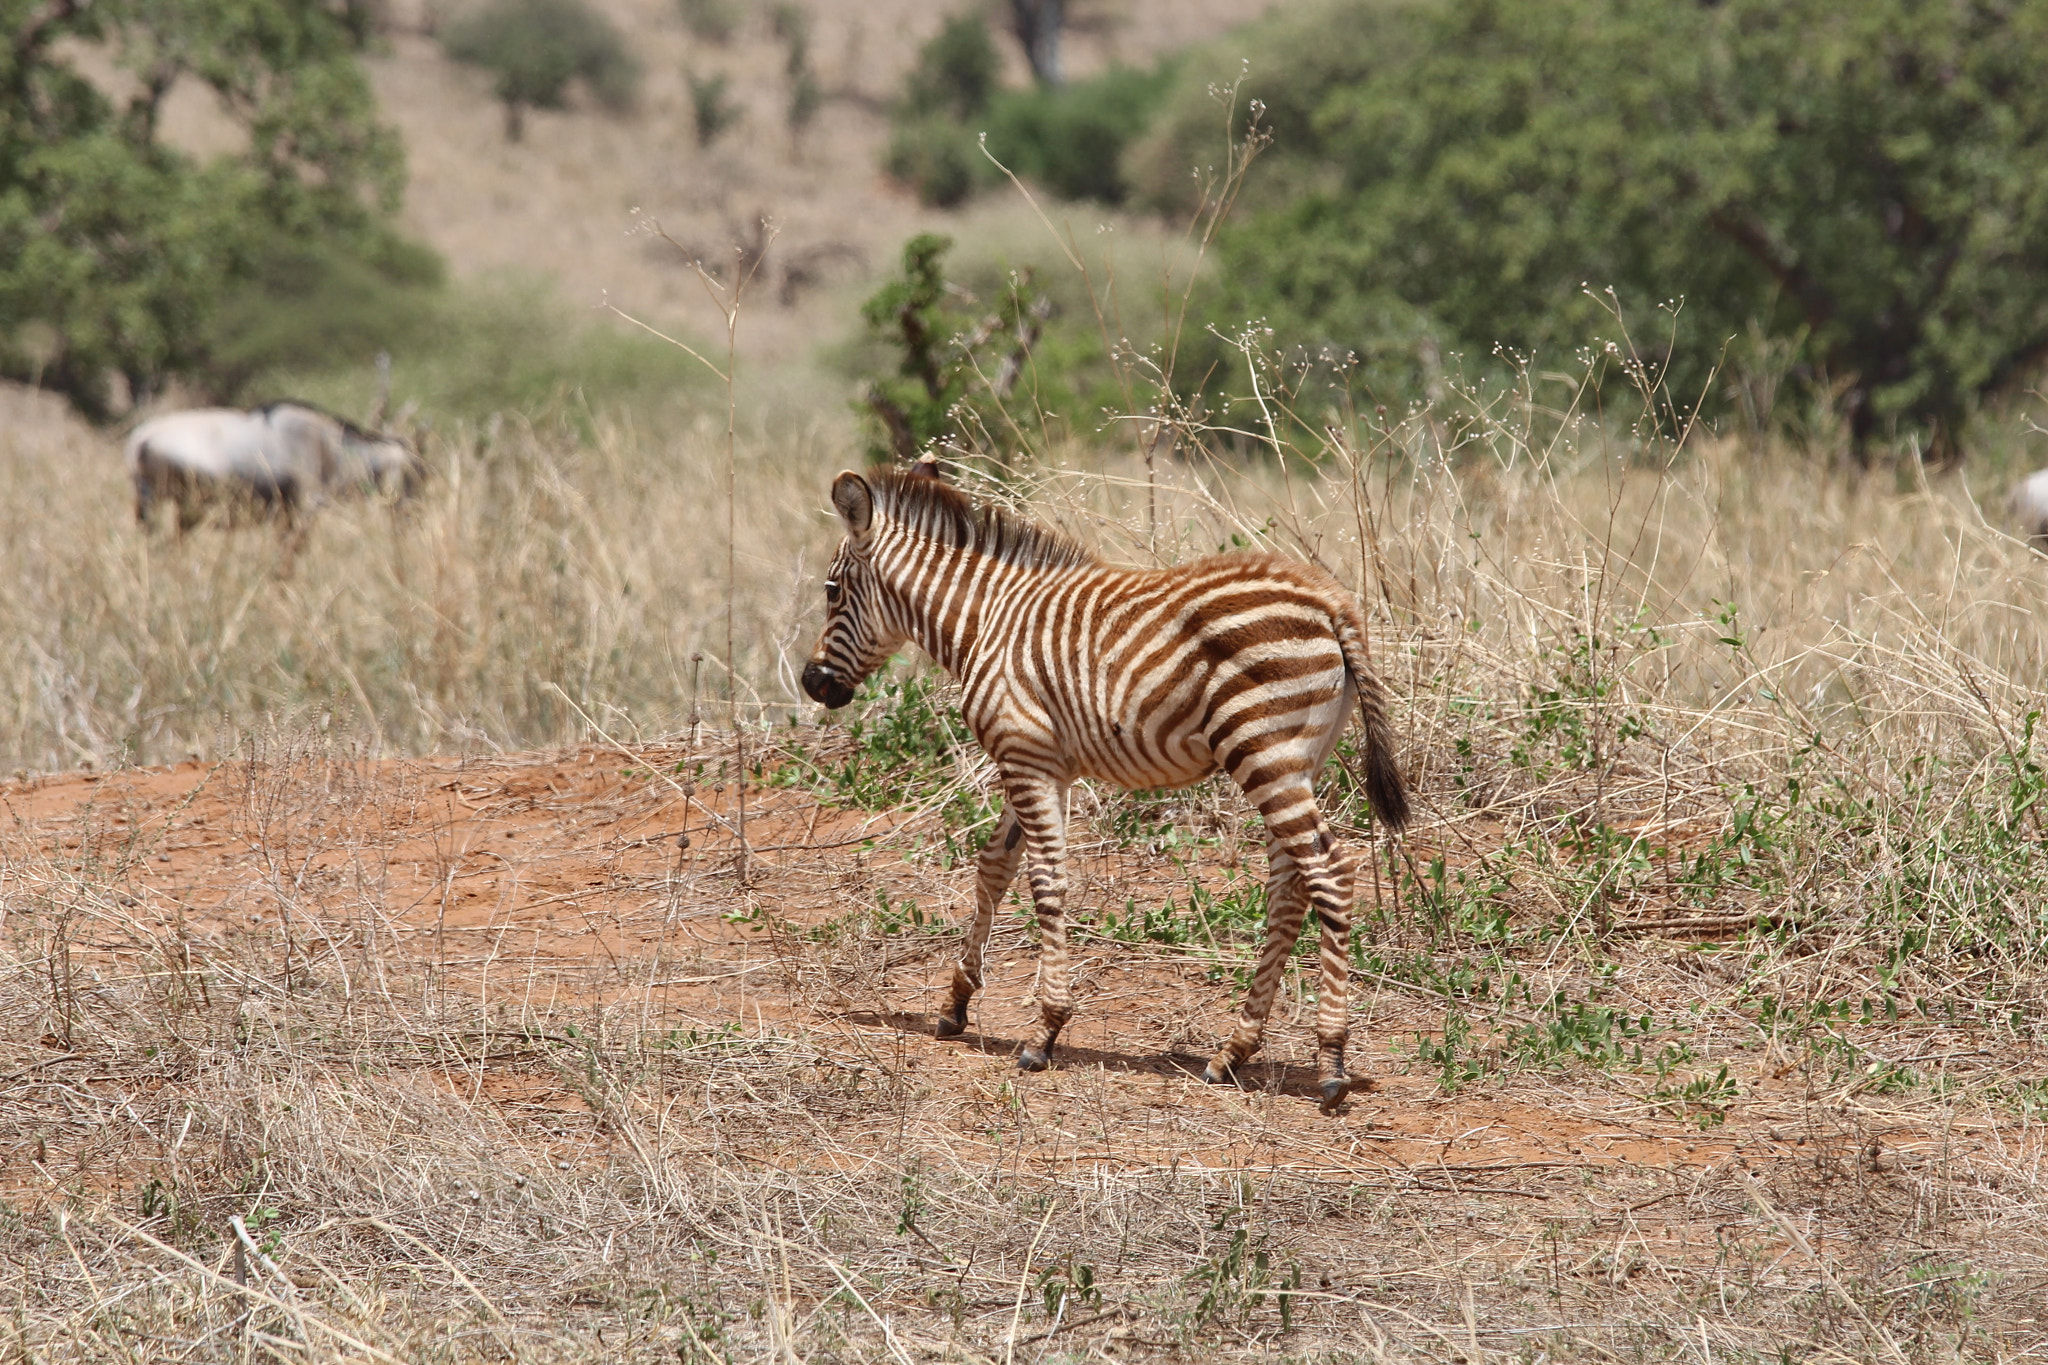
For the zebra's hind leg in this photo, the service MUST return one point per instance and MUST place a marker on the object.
(994, 870)
(1286, 903)
(1040, 808)
(1306, 873)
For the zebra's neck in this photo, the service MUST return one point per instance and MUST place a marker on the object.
(948, 596)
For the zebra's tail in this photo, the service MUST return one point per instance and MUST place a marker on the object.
(1383, 784)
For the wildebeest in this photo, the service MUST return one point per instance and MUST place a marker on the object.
(284, 458)
(2029, 507)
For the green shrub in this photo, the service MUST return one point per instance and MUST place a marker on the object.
(1071, 138)
(309, 304)
(1860, 185)
(712, 108)
(935, 158)
(535, 48)
(983, 364)
(956, 71)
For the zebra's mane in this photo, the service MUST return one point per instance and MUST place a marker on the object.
(930, 508)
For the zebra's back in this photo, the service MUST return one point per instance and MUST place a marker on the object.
(1158, 678)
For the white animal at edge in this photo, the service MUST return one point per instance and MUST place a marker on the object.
(286, 458)
(2029, 508)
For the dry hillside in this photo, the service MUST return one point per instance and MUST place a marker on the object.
(577, 197)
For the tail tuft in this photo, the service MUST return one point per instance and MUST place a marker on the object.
(1383, 784)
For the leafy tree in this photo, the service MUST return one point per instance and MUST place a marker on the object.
(1864, 185)
(1071, 138)
(114, 246)
(535, 48)
(956, 72)
(933, 147)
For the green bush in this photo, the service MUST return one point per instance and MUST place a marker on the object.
(956, 72)
(535, 48)
(1071, 138)
(935, 158)
(1861, 185)
(947, 92)
(712, 108)
(309, 304)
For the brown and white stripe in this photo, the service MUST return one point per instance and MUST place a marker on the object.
(1069, 668)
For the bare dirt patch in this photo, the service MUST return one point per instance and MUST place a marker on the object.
(490, 1063)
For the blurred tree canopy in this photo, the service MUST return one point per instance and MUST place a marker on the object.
(535, 48)
(117, 250)
(1855, 196)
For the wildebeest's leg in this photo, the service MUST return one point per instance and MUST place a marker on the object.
(994, 870)
(1040, 807)
(190, 499)
(1317, 879)
(293, 526)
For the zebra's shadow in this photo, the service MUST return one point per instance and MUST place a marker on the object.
(1272, 1077)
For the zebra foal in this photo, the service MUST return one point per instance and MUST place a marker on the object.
(1070, 668)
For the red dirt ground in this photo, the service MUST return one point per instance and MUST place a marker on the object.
(557, 879)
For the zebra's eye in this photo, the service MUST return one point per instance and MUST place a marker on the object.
(831, 593)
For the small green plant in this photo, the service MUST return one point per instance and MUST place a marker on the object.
(1569, 1031)
(1236, 1283)
(1703, 1099)
(905, 742)
(911, 1187)
(712, 108)
(534, 49)
(791, 24)
(1069, 1282)
(904, 916)
(1442, 1054)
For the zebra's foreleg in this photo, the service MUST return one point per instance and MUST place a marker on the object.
(1040, 809)
(994, 870)
(1286, 902)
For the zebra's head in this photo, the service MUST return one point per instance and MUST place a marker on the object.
(860, 632)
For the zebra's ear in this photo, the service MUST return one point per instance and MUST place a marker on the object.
(855, 501)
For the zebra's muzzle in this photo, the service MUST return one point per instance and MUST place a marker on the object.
(824, 685)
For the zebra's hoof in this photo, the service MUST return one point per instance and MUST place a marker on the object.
(1218, 1076)
(1334, 1091)
(949, 1027)
(1032, 1060)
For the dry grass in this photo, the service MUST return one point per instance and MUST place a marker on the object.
(1673, 1060)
